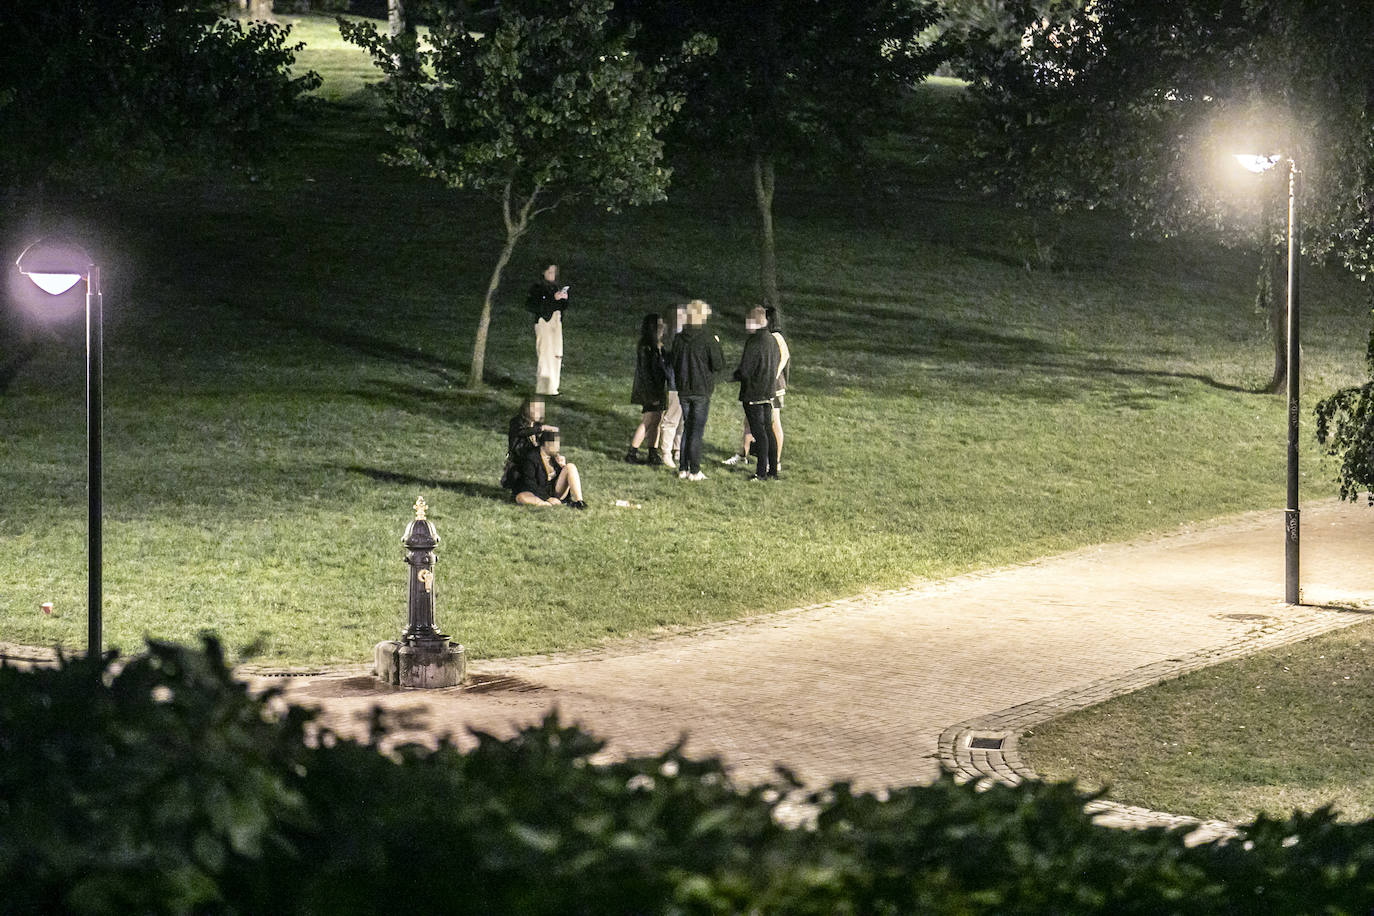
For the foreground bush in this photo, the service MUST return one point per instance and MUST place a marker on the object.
(164, 786)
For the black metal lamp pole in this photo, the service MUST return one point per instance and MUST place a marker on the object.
(95, 346)
(55, 267)
(1292, 589)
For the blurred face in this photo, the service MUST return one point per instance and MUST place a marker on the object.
(550, 448)
(660, 329)
(536, 411)
(551, 273)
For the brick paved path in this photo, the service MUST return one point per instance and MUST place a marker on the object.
(865, 688)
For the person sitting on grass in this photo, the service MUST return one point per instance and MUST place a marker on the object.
(543, 477)
(525, 426)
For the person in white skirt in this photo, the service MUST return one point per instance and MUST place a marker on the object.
(546, 303)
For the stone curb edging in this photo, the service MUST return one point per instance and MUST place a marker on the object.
(999, 760)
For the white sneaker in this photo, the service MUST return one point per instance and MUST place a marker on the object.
(682, 475)
(732, 460)
(697, 476)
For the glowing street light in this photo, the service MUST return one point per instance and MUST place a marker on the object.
(55, 267)
(1292, 591)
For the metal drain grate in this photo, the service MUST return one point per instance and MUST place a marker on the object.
(986, 744)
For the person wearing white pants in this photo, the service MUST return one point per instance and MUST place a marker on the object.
(670, 425)
(546, 302)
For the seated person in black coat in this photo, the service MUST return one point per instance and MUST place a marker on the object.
(543, 477)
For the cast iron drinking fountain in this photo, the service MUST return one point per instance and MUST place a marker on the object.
(423, 656)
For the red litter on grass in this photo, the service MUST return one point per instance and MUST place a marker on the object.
(47, 607)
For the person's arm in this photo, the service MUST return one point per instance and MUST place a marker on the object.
(747, 357)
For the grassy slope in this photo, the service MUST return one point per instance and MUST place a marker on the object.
(285, 355)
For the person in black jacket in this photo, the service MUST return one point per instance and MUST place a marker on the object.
(697, 361)
(758, 381)
(543, 477)
(650, 389)
(546, 302)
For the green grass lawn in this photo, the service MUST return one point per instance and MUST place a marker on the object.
(1285, 729)
(286, 347)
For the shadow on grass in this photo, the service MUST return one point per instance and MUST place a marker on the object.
(464, 487)
(1185, 376)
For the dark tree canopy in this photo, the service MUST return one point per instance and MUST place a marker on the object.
(1138, 104)
(790, 79)
(92, 84)
(546, 103)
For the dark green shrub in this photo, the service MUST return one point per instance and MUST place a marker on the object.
(138, 791)
(1345, 425)
(165, 787)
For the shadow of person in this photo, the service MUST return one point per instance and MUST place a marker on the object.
(464, 487)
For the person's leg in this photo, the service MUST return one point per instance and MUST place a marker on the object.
(652, 419)
(642, 430)
(761, 424)
(746, 437)
(668, 429)
(777, 436)
(568, 486)
(557, 323)
(699, 415)
(545, 380)
(689, 410)
(772, 449)
(526, 498)
(694, 420)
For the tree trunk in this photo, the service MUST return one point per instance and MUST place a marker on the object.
(396, 17)
(1272, 302)
(479, 346)
(260, 9)
(764, 181)
(516, 224)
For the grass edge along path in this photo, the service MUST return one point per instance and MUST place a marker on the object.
(1282, 729)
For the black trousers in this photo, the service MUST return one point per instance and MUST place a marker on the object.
(695, 408)
(760, 417)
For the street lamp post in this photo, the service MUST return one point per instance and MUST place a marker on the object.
(55, 267)
(1292, 592)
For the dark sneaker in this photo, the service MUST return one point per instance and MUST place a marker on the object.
(632, 456)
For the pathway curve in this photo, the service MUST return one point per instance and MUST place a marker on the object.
(877, 688)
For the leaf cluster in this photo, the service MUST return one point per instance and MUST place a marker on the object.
(1345, 425)
(1138, 104)
(161, 785)
(89, 86)
(791, 77)
(550, 101)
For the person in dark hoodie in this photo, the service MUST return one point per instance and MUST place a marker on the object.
(758, 381)
(697, 361)
(546, 302)
(650, 389)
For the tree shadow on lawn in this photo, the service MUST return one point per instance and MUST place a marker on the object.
(893, 331)
(464, 487)
(589, 425)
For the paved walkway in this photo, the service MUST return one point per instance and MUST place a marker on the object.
(879, 688)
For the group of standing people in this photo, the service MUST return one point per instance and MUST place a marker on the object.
(677, 364)
(674, 382)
